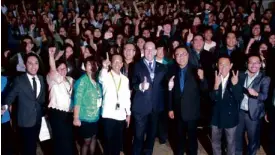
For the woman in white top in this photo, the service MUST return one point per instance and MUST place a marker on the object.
(60, 110)
(209, 43)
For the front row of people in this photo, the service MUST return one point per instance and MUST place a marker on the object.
(237, 100)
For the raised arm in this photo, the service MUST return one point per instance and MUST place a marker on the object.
(136, 9)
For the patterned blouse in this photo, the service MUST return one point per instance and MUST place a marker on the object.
(88, 97)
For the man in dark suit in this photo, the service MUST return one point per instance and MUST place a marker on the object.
(231, 49)
(204, 60)
(256, 86)
(185, 87)
(148, 83)
(226, 98)
(30, 90)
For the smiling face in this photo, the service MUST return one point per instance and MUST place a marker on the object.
(149, 51)
(62, 69)
(32, 65)
(224, 66)
(256, 30)
(181, 56)
(198, 43)
(116, 63)
(254, 64)
(231, 40)
(129, 51)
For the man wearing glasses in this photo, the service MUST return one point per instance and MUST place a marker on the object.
(255, 88)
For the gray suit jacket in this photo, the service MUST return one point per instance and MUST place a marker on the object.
(256, 104)
(30, 109)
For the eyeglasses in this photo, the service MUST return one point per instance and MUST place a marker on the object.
(254, 63)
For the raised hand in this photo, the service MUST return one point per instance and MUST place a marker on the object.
(6, 53)
(171, 83)
(106, 63)
(218, 80)
(159, 28)
(78, 20)
(176, 21)
(235, 77)
(200, 74)
(145, 84)
(3, 109)
(52, 51)
(190, 36)
(108, 35)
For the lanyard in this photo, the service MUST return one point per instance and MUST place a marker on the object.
(117, 87)
(246, 82)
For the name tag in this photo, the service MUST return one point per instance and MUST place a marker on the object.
(99, 102)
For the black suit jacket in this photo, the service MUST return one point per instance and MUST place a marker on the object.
(30, 109)
(186, 104)
(152, 100)
(225, 111)
(205, 61)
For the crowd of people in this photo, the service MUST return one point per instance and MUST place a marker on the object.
(122, 71)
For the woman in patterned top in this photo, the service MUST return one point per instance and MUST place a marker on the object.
(87, 99)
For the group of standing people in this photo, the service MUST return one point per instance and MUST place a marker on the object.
(122, 72)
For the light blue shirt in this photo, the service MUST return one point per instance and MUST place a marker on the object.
(248, 83)
(6, 116)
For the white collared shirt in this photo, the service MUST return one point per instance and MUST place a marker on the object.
(224, 82)
(153, 64)
(37, 83)
(247, 84)
(110, 98)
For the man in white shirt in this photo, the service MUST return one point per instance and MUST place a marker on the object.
(116, 104)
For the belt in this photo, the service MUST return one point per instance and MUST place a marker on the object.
(245, 111)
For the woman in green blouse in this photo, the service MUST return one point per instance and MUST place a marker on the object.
(87, 99)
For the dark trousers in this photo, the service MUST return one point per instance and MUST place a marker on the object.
(252, 128)
(145, 124)
(189, 127)
(162, 127)
(217, 140)
(29, 138)
(6, 139)
(113, 136)
(62, 132)
(271, 118)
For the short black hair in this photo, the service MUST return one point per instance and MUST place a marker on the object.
(32, 54)
(254, 55)
(224, 56)
(60, 62)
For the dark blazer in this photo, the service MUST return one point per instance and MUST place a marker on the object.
(30, 109)
(206, 62)
(186, 104)
(225, 111)
(256, 104)
(153, 98)
(237, 56)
